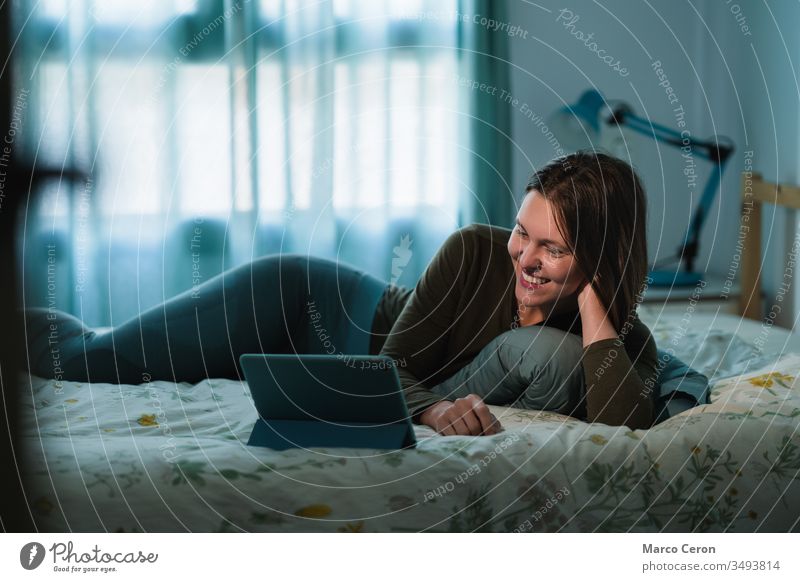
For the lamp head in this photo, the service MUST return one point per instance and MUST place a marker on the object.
(577, 126)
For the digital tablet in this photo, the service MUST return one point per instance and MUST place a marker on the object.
(318, 400)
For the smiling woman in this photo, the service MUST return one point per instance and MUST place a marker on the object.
(577, 263)
(582, 220)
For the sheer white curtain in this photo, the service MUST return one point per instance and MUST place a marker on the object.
(217, 132)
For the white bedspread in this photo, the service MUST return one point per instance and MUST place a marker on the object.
(172, 457)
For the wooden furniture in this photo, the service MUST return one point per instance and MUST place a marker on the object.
(723, 293)
(755, 192)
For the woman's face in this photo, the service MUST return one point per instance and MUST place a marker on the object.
(546, 272)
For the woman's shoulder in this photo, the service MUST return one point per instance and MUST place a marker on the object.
(469, 253)
(480, 233)
(482, 245)
(489, 231)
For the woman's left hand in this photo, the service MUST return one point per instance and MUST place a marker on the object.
(587, 298)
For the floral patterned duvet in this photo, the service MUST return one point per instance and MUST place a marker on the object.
(172, 457)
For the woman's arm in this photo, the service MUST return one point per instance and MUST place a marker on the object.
(595, 323)
(616, 393)
(420, 336)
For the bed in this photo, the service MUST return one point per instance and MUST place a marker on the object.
(162, 456)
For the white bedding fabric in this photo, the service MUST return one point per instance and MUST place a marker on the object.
(172, 457)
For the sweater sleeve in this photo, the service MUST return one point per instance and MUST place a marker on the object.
(619, 379)
(418, 339)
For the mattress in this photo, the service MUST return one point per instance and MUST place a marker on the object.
(162, 456)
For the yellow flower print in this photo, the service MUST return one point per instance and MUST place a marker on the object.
(148, 420)
(598, 440)
(767, 380)
(696, 450)
(317, 510)
(352, 527)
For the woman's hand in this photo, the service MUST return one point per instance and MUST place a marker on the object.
(595, 323)
(587, 297)
(465, 416)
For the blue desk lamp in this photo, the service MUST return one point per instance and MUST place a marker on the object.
(578, 127)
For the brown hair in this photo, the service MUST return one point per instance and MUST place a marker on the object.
(600, 209)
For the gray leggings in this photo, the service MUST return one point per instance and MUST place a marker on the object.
(276, 304)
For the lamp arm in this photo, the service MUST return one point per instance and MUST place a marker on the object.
(647, 128)
(691, 241)
(707, 149)
(712, 150)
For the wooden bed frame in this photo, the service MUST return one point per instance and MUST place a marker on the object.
(755, 192)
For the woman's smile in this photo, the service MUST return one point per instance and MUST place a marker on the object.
(532, 282)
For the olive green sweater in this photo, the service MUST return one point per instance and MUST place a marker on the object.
(465, 298)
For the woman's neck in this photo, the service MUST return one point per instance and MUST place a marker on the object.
(529, 315)
(533, 315)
